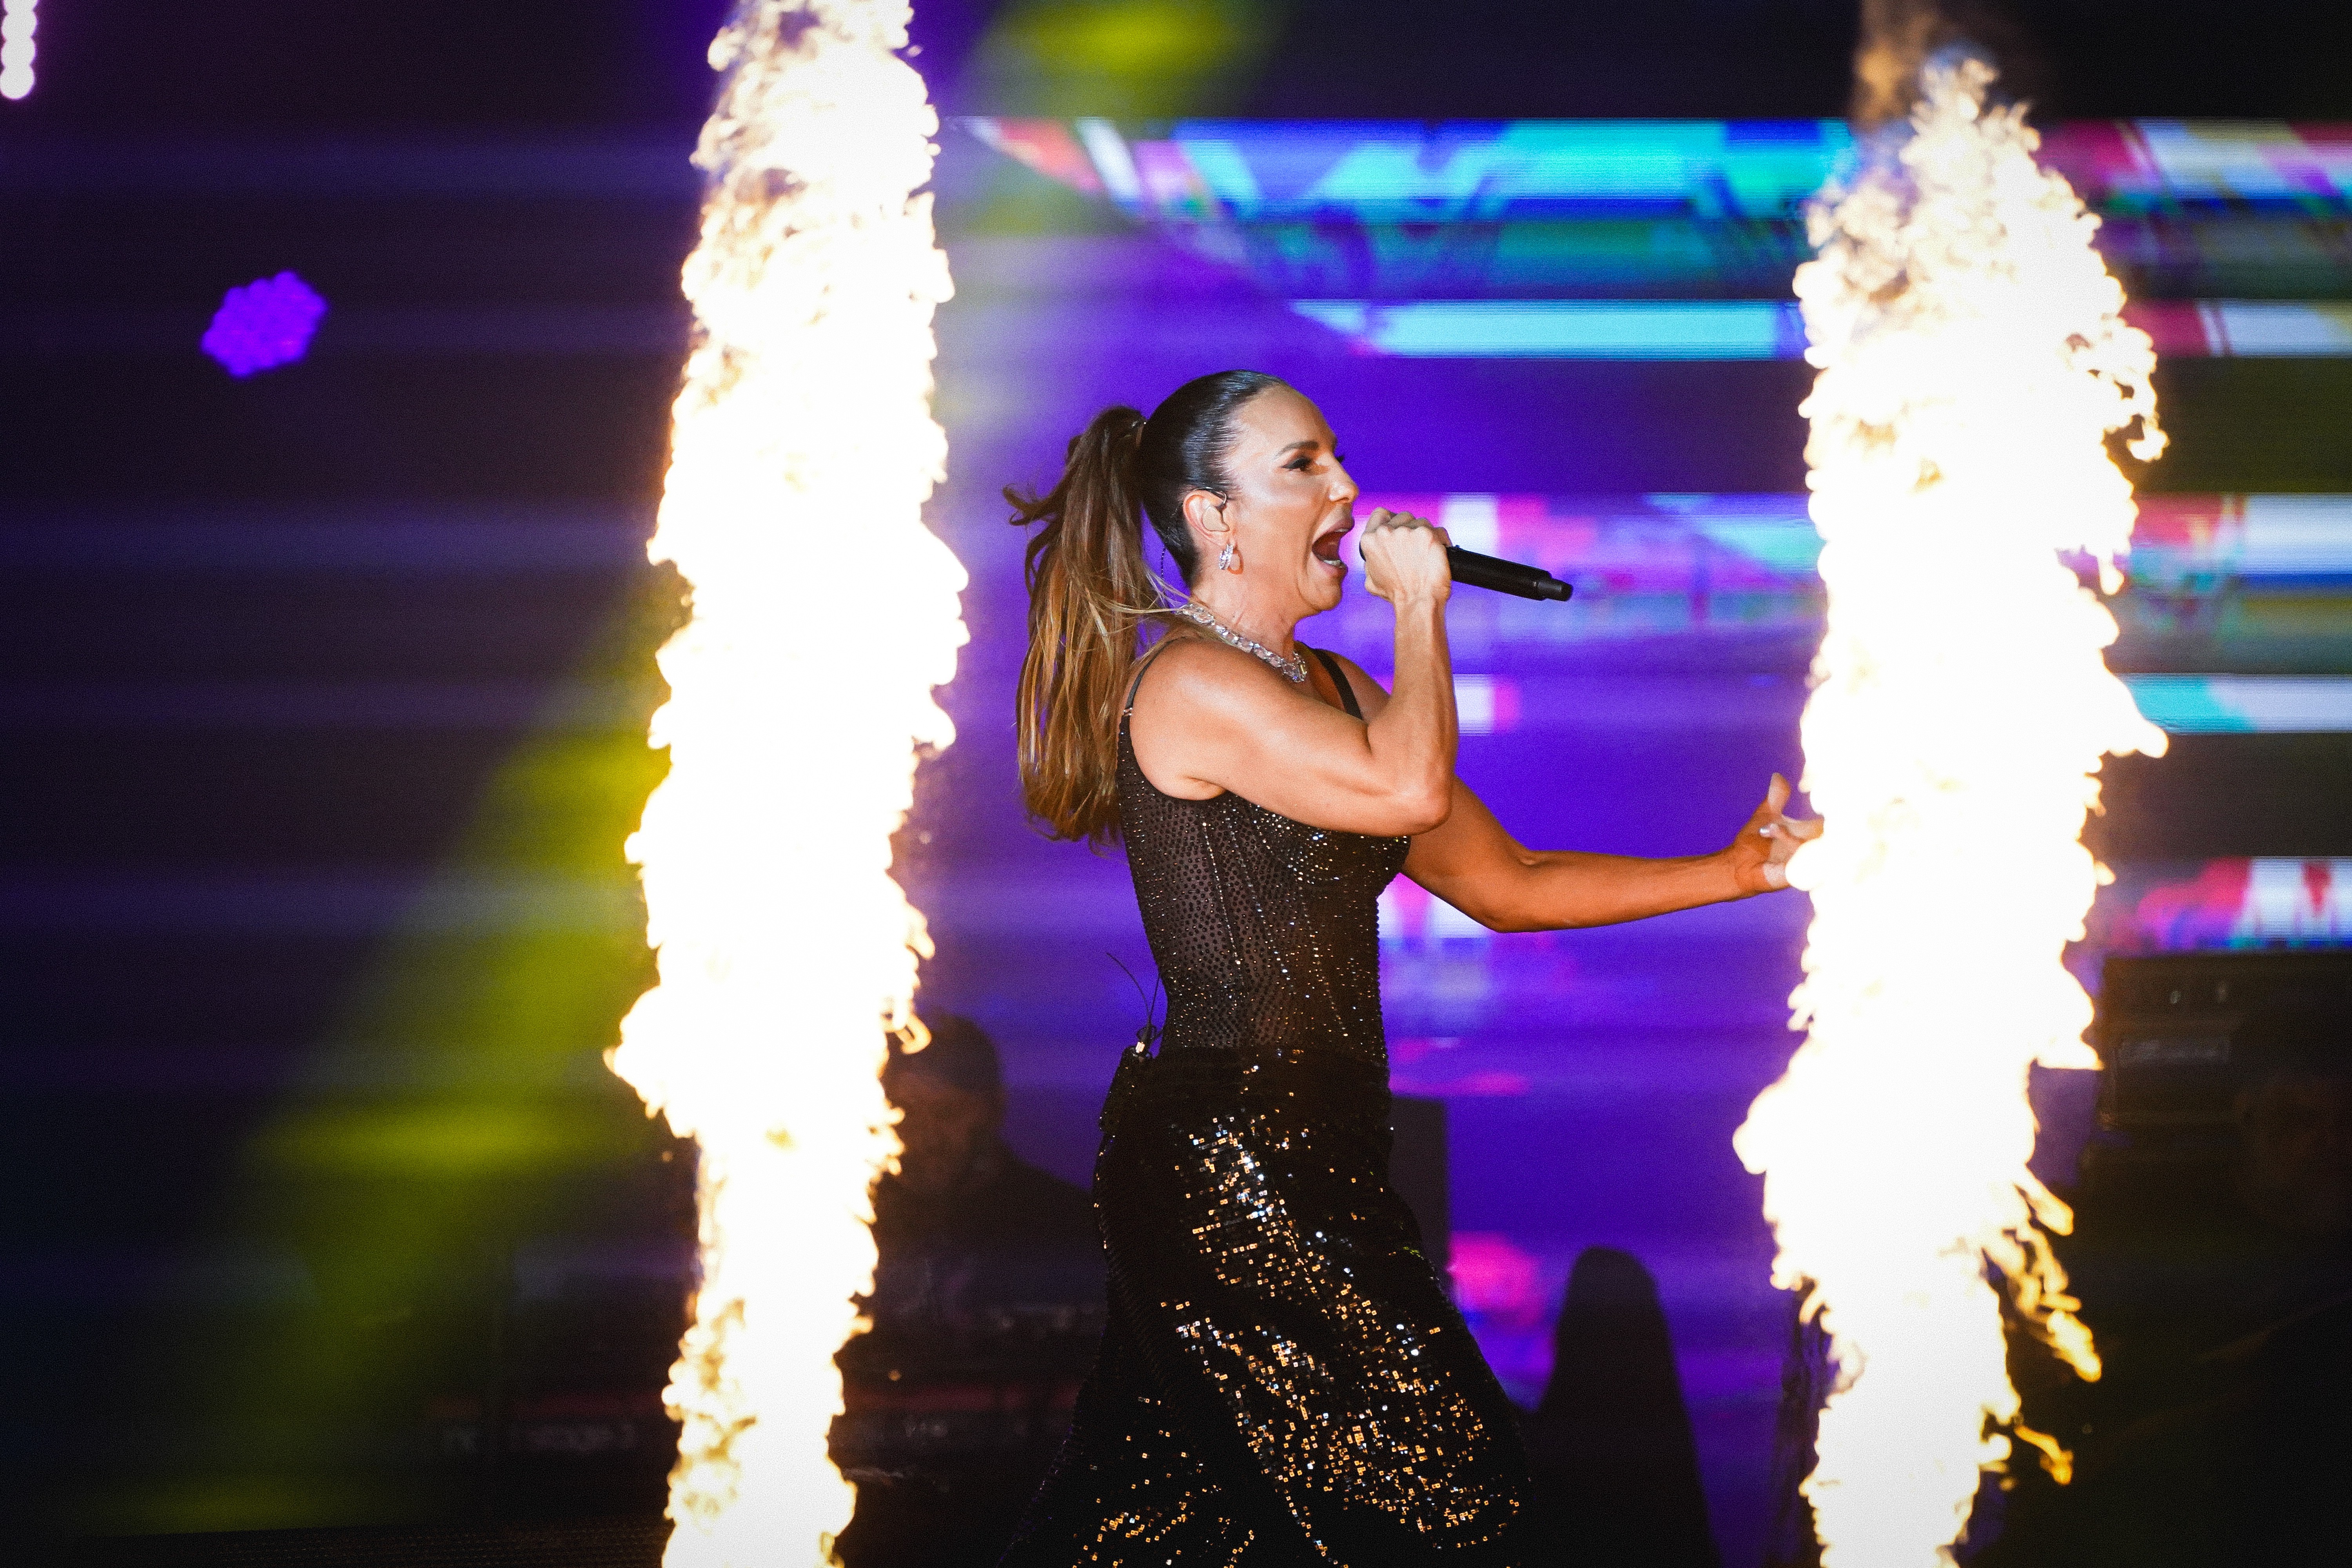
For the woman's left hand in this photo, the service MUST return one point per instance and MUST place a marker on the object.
(1759, 858)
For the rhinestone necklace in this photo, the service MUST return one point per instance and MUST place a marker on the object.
(1293, 667)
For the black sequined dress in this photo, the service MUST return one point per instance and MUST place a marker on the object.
(1282, 1379)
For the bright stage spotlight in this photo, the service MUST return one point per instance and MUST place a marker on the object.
(825, 613)
(1973, 363)
(17, 23)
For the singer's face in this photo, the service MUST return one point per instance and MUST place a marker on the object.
(1292, 502)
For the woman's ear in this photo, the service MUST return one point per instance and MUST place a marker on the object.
(1205, 514)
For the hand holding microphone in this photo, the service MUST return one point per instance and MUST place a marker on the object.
(1404, 558)
(1390, 564)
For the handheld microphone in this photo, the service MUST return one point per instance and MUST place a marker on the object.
(1504, 576)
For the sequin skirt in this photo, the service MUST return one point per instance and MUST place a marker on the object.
(1283, 1380)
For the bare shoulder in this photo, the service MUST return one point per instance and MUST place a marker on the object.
(1198, 702)
(1370, 695)
(1194, 676)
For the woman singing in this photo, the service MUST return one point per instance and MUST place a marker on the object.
(1283, 1378)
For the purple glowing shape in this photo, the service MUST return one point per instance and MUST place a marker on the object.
(265, 324)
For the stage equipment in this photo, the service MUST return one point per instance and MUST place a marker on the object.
(1973, 362)
(17, 21)
(803, 453)
(1668, 240)
(1503, 576)
(2182, 1036)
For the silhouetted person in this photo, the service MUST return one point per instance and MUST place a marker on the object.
(2222, 1432)
(957, 1181)
(986, 1308)
(1615, 1466)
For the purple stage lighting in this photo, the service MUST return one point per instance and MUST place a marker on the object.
(265, 324)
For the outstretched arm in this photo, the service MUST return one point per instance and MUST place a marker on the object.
(1469, 861)
(1474, 864)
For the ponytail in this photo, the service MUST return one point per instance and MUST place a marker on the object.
(1090, 589)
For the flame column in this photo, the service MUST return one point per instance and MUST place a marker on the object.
(1973, 363)
(824, 614)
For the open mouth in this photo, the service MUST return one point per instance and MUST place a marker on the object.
(1326, 545)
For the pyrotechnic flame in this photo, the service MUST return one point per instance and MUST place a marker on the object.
(1972, 364)
(802, 454)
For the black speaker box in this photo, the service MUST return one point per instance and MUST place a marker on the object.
(2182, 1036)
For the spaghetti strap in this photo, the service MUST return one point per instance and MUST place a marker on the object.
(1338, 679)
(1330, 666)
(1127, 709)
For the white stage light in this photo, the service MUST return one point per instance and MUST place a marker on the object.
(17, 23)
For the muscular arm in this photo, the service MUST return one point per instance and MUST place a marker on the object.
(1211, 718)
(1469, 861)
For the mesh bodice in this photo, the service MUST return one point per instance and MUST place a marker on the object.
(1265, 929)
(1282, 1380)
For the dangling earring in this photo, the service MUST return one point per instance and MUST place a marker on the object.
(1228, 560)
